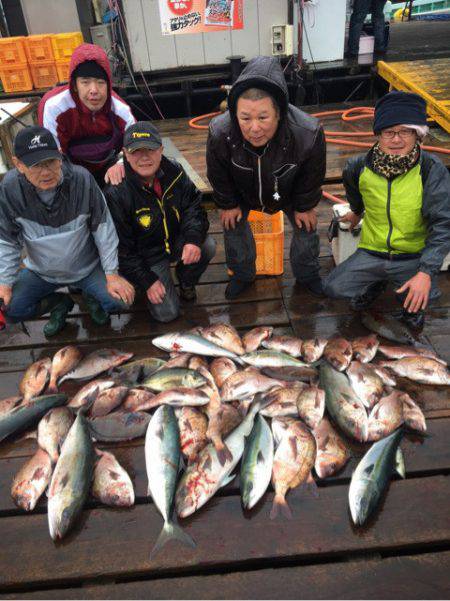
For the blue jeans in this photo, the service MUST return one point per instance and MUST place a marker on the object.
(30, 289)
(361, 8)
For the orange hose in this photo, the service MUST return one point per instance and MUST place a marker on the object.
(333, 198)
(193, 122)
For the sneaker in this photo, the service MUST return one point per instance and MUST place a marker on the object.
(235, 288)
(98, 315)
(58, 316)
(414, 321)
(314, 286)
(364, 300)
(187, 293)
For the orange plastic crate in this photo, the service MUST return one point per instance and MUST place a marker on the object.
(65, 43)
(62, 67)
(16, 79)
(12, 51)
(44, 74)
(268, 231)
(39, 48)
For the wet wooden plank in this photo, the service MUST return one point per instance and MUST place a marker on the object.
(410, 577)
(423, 455)
(222, 536)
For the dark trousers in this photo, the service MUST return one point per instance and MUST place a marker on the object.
(240, 251)
(189, 275)
(361, 8)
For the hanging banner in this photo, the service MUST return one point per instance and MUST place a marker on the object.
(200, 16)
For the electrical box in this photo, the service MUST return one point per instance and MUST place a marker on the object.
(282, 40)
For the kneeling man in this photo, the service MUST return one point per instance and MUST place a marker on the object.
(56, 213)
(159, 219)
(404, 194)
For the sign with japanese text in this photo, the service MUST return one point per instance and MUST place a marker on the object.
(200, 16)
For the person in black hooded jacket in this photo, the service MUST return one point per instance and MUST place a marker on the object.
(159, 219)
(267, 155)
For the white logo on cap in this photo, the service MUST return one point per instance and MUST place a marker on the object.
(36, 140)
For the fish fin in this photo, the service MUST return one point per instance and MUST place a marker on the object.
(171, 531)
(399, 466)
(224, 454)
(227, 480)
(280, 504)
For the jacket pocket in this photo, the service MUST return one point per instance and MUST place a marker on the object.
(242, 176)
(283, 180)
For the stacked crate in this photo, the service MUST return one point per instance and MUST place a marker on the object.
(14, 70)
(39, 60)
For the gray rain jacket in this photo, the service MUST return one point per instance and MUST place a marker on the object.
(63, 242)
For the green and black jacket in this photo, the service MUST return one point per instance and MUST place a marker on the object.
(149, 227)
(409, 213)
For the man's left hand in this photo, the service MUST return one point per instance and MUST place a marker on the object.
(118, 287)
(308, 220)
(418, 288)
(115, 174)
(191, 254)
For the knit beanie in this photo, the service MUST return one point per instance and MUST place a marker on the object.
(90, 69)
(397, 108)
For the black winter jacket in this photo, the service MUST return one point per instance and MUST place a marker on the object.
(289, 173)
(149, 227)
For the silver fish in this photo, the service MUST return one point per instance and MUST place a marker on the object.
(117, 427)
(270, 358)
(191, 343)
(71, 479)
(31, 480)
(111, 483)
(256, 464)
(343, 404)
(165, 379)
(371, 477)
(52, 430)
(95, 363)
(162, 460)
(24, 416)
(387, 326)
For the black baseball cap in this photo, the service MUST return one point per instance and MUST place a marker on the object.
(34, 144)
(141, 134)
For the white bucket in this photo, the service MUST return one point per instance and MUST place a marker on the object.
(366, 44)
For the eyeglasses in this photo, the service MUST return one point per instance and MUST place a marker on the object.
(404, 134)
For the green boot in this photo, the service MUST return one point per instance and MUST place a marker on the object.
(98, 315)
(58, 305)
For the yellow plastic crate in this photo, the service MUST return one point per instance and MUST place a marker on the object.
(65, 43)
(12, 51)
(39, 48)
(44, 74)
(62, 68)
(268, 231)
(16, 79)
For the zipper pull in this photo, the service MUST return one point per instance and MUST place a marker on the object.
(275, 195)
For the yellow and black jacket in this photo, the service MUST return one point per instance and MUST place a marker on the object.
(150, 228)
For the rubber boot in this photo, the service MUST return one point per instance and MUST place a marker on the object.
(58, 305)
(98, 315)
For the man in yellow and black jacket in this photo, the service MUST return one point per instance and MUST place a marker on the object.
(159, 219)
(403, 192)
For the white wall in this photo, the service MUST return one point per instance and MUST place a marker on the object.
(324, 28)
(50, 16)
(150, 50)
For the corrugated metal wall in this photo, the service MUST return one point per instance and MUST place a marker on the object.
(152, 51)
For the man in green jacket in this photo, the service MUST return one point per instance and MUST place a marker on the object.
(403, 193)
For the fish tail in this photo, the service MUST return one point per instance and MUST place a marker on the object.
(223, 453)
(171, 531)
(280, 504)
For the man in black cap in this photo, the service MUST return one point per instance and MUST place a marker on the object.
(159, 218)
(403, 192)
(55, 212)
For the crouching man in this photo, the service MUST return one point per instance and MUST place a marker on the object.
(404, 194)
(159, 219)
(56, 213)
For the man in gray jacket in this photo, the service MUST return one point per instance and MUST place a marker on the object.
(56, 213)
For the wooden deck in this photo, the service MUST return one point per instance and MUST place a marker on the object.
(191, 143)
(403, 553)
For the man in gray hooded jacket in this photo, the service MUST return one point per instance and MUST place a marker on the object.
(55, 212)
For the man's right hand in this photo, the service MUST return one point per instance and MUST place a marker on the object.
(156, 293)
(352, 218)
(230, 217)
(5, 294)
